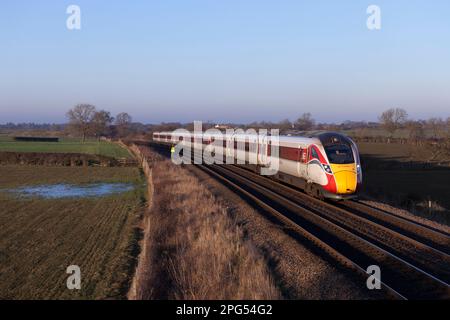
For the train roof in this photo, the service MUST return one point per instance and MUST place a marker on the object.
(309, 134)
(283, 139)
(319, 137)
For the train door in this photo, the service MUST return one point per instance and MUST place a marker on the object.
(263, 151)
(303, 161)
(230, 152)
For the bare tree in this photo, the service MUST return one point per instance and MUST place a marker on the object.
(101, 122)
(437, 127)
(80, 119)
(285, 125)
(447, 135)
(393, 119)
(447, 128)
(123, 121)
(415, 130)
(305, 122)
(440, 131)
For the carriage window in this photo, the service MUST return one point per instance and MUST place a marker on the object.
(340, 154)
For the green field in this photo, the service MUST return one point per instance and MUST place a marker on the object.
(40, 238)
(66, 145)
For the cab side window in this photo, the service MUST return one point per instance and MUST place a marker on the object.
(314, 154)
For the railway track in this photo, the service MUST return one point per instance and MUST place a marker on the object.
(420, 232)
(428, 256)
(413, 258)
(402, 276)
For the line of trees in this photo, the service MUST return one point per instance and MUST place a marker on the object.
(86, 121)
(304, 123)
(396, 118)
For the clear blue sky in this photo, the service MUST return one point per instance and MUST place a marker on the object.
(224, 60)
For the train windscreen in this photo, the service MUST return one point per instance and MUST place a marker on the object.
(339, 154)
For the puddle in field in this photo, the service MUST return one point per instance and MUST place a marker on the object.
(58, 191)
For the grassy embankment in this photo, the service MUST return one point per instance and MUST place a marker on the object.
(393, 173)
(192, 248)
(65, 145)
(40, 238)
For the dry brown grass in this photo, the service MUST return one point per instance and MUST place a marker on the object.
(192, 248)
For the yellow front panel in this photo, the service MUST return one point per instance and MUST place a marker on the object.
(346, 178)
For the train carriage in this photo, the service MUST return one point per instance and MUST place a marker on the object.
(326, 165)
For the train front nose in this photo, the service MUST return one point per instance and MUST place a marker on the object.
(346, 178)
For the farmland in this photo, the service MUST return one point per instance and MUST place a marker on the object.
(402, 175)
(400, 152)
(40, 238)
(66, 145)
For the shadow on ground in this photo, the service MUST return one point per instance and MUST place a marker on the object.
(419, 187)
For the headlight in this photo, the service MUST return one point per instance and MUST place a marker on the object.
(358, 168)
(327, 168)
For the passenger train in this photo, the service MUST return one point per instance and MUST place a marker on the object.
(325, 165)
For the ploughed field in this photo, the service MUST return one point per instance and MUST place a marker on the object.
(404, 175)
(65, 145)
(41, 237)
